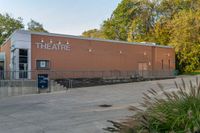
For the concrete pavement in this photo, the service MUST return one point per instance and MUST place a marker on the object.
(76, 111)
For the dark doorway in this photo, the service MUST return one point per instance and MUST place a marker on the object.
(23, 63)
(1, 69)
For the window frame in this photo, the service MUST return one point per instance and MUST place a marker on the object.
(38, 66)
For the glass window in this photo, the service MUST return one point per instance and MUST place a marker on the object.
(23, 52)
(23, 60)
(23, 63)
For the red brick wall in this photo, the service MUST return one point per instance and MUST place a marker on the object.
(105, 56)
(6, 48)
(168, 57)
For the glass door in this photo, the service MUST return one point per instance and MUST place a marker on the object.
(23, 63)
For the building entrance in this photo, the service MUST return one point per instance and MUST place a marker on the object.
(23, 63)
(143, 69)
(1, 70)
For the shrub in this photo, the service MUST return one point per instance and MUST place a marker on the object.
(176, 111)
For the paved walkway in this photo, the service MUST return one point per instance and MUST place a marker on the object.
(76, 111)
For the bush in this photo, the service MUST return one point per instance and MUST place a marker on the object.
(176, 111)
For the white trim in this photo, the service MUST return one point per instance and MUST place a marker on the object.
(20, 40)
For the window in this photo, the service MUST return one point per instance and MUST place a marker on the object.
(42, 64)
(23, 52)
(169, 62)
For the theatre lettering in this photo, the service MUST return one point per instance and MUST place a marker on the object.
(49, 46)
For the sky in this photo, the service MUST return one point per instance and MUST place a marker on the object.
(61, 16)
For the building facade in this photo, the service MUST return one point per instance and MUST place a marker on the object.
(26, 54)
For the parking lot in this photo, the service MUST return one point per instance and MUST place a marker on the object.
(74, 111)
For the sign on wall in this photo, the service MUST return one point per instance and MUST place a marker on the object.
(53, 46)
(43, 81)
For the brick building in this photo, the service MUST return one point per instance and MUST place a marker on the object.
(25, 54)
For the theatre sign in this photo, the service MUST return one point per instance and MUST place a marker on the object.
(53, 46)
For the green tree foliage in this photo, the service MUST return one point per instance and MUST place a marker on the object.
(117, 27)
(160, 33)
(169, 8)
(144, 21)
(36, 26)
(94, 33)
(185, 37)
(8, 25)
(166, 22)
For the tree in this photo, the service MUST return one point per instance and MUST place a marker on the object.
(160, 33)
(8, 25)
(185, 38)
(169, 8)
(117, 26)
(36, 26)
(144, 22)
(94, 33)
(131, 20)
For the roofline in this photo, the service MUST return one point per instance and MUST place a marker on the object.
(84, 38)
(7, 39)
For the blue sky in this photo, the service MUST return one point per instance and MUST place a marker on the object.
(61, 16)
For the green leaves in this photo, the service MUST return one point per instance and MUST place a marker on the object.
(117, 27)
(185, 37)
(94, 33)
(8, 25)
(36, 26)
